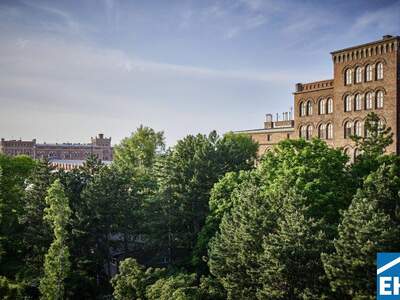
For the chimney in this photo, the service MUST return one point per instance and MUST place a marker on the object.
(299, 87)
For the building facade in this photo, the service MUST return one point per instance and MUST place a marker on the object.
(64, 155)
(366, 78)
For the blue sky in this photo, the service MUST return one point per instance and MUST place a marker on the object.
(71, 69)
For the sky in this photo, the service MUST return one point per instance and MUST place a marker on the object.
(72, 69)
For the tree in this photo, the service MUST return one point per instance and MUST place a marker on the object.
(15, 171)
(234, 251)
(133, 279)
(185, 176)
(291, 266)
(180, 286)
(314, 169)
(220, 203)
(37, 235)
(57, 265)
(370, 225)
(140, 149)
(372, 146)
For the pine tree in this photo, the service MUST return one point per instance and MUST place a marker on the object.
(370, 225)
(290, 262)
(57, 265)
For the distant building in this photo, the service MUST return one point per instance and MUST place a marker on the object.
(366, 78)
(64, 155)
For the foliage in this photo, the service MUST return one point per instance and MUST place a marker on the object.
(176, 287)
(9, 290)
(370, 225)
(57, 265)
(133, 279)
(372, 146)
(140, 149)
(290, 261)
(314, 169)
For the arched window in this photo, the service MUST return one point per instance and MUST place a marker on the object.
(329, 131)
(309, 108)
(356, 153)
(368, 101)
(358, 75)
(348, 129)
(303, 132)
(322, 107)
(322, 131)
(348, 77)
(379, 71)
(379, 99)
(368, 73)
(357, 128)
(347, 103)
(302, 109)
(346, 151)
(381, 124)
(357, 102)
(309, 132)
(329, 106)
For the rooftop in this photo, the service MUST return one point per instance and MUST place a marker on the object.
(384, 38)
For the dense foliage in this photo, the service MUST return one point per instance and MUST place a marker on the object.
(201, 220)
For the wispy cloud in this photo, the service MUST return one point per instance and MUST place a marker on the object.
(66, 21)
(386, 19)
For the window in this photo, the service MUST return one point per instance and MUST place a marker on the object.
(379, 71)
(268, 137)
(322, 107)
(379, 99)
(347, 103)
(322, 131)
(309, 108)
(302, 109)
(358, 75)
(357, 128)
(329, 131)
(368, 73)
(368, 101)
(381, 125)
(357, 102)
(356, 153)
(330, 105)
(348, 77)
(347, 129)
(309, 132)
(303, 132)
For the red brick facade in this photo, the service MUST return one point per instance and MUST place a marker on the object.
(365, 78)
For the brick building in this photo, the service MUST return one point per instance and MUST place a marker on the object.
(64, 155)
(366, 78)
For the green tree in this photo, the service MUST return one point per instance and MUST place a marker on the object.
(186, 175)
(370, 225)
(15, 171)
(140, 149)
(234, 251)
(57, 265)
(180, 286)
(314, 169)
(132, 280)
(37, 235)
(291, 266)
(372, 146)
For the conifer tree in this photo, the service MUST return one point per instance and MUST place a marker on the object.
(57, 265)
(370, 225)
(290, 262)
